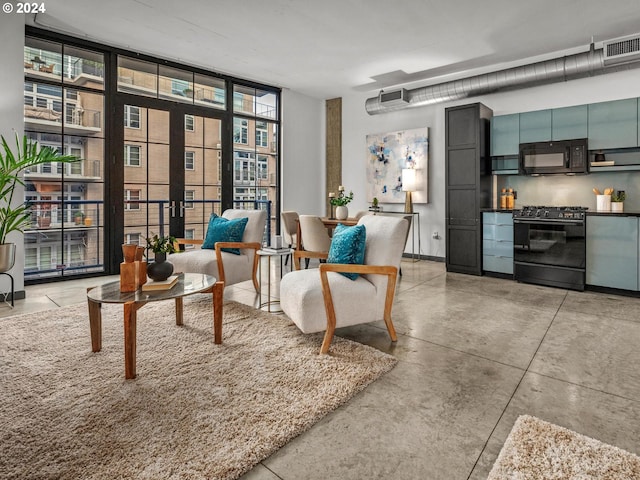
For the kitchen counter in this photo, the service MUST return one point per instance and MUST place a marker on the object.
(497, 210)
(612, 214)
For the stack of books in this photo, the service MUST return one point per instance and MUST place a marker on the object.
(160, 285)
(276, 250)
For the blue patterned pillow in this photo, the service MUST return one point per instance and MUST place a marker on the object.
(347, 246)
(223, 230)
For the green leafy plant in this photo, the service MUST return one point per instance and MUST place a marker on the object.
(161, 244)
(375, 202)
(618, 196)
(15, 218)
(341, 200)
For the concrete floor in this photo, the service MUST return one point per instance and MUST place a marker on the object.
(474, 354)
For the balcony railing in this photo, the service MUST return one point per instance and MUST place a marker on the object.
(55, 221)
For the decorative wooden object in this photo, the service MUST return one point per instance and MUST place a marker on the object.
(129, 269)
(141, 267)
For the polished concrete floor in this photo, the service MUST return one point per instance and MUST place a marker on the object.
(474, 353)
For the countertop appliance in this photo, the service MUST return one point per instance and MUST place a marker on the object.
(567, 157)
(549, 246)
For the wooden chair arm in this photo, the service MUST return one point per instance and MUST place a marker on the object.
(250, 245)
(186, 241)
(390, 271)
(298, 254)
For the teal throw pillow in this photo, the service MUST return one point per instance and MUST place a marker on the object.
(347, 246)
(223, 230)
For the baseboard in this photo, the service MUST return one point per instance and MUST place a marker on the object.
(424, 257)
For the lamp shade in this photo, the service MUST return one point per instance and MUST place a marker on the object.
(409, 180)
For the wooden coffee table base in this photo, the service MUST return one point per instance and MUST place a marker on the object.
(130, 321)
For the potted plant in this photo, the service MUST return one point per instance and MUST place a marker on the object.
(78, 217)
(16, 217)
(160, 245)
(341, 201)
(617, 199)
(375, 206)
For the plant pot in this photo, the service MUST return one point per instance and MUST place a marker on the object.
(617, 206)
(160, 269)
(87, 222)
(342, 212)
(7, 256)
(44, 222)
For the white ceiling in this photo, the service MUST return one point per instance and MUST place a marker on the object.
(328, 48)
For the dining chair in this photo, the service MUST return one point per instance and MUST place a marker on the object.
(315, 240)
(289, 229)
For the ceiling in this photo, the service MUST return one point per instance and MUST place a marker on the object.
(331, 48)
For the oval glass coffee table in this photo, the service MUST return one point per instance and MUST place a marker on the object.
(188, 284)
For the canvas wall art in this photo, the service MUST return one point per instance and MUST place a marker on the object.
(387, 155)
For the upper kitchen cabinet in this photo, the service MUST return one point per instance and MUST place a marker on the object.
(613, 124)
(535, 126)
(569, 122)
(505, 135)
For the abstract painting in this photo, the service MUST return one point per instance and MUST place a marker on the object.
(387, 155)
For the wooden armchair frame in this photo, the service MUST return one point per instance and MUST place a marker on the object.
(220, 245)
(298, 254)
(390, 271)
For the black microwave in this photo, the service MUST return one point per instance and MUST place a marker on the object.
(567, 157)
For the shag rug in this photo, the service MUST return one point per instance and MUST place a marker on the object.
(195, 410)
(537, 450)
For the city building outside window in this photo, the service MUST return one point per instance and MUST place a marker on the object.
(189, 123)
(241, 131)
(129, 197)
(189, 197)
(132, 155)
(131, 116)
(189, 160)
(262, 134)
(132, 238)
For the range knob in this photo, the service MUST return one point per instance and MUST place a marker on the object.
(546, 213)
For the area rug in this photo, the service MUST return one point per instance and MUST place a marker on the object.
(537, 450)
(196, 409)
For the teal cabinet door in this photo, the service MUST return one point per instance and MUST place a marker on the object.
(505, 135)
(535, 126)
(497, 242)
(569, 122)
(612, 252)
(613, 124)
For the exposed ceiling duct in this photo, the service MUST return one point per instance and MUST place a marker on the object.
(593, 62)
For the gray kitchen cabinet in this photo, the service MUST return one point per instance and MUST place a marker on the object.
(568, 123)
(535, 126)
(613, 124)
(505, 135)
(612, 252)
(497, 242)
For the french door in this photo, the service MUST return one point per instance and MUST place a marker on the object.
(171, 178)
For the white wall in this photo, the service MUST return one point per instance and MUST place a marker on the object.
(303, 157)
(11, 116)
(357, 124)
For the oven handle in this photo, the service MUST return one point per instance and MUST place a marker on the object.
(550, 220)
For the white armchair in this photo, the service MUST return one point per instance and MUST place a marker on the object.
(226, 267)
(325, 300)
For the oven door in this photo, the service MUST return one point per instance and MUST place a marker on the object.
(549, 242)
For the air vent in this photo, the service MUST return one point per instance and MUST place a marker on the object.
(621, 50)
(397, 97)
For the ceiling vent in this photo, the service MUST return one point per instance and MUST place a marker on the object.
(623, 49)
(397, 97)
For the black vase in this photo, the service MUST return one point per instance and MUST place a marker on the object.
(160, 269)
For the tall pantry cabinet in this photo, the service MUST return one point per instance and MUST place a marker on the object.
(468, 184)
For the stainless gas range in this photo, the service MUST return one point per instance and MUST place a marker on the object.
(550, 246)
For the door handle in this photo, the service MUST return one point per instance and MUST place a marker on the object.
(181, 209)
(172, 208)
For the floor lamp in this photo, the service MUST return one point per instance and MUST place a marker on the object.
(408, 186)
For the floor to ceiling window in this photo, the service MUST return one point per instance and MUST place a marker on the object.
(64, 109)
(181, 142)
